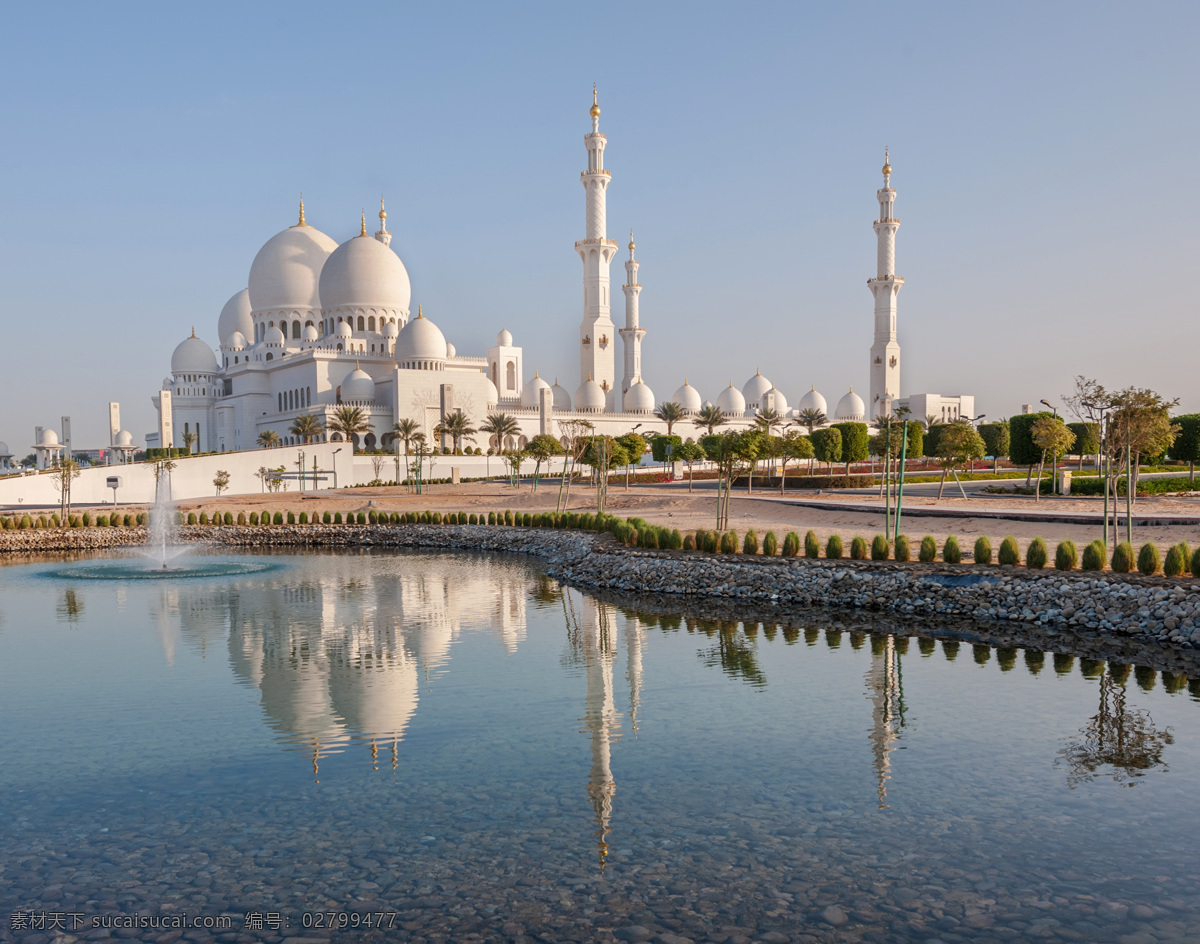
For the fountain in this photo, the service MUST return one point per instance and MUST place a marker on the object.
(162, 544)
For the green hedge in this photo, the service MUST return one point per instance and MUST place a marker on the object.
(809, 481)
(1021, 448)
(1095, 486)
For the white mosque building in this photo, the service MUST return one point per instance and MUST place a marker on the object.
(320, 326)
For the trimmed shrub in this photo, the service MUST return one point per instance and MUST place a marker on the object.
(791, 544)
(113, 522)
(372, 517)
(1176, 562)
(278, 518)
(129, 520)
(951, 552)
(191, 518)
(337, 517)
(87, 519)
(1148, 560)
(253, 519)
(228, 518)
(833, 547)
(508, 518)
(101, 522)
(676, 540)
(473, 518)
(880, 548)
(729, 542)
(1094, 554)
(713, 542)
(858, 548)
(203, 518)
(632, 537)
(1036, 554)
(326, 518)
(983, 551)
(902, 550)
(649, 538)
(1066, 556)
(1122, 559)
(362, 518)
(750, 543)
(812, 547)
(491, 518)
(527, 519)
(291, 517)
(928, 552)
(689, 542)
(1010, 554)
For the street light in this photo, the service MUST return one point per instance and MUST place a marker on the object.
(1054, 458)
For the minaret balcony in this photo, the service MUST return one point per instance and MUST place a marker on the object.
(594, 173)
(885, 278)
(596, 242)
(888, 219)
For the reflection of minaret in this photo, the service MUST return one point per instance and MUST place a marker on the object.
(633, 666)
(887, 695)
(602, 722)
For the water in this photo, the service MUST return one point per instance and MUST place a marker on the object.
(163, 547)
(460, 746)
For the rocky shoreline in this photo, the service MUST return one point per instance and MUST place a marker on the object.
(1099, 614)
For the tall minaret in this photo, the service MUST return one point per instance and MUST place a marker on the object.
(885, 352)
(632, 333)
(597, 335)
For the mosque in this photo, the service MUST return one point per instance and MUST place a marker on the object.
(320, 326)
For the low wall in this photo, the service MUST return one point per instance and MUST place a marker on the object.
(1135, 613)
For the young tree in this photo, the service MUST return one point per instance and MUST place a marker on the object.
(1141, 427)
(689, 453)
(306, 428)
(64, 472)
(827, 445)
(1087, 440)
(1050, 434)
(499, 426)
(856, 438)
(542, 448)
(268, 439)
(958, 445)
(350, 421)
(221, 481)
(995, 441)
(635, 448)
(1186, 447)
(405, 429)
(709, 417)
(670, 413)
(792, 445)
(576, 434)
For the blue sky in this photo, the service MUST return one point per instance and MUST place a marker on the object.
(1042, 152)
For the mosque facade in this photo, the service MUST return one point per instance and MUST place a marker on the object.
(321, 325)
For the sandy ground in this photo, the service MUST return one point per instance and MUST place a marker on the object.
(674, 506)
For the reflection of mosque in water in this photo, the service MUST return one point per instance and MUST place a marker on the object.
(885, 688)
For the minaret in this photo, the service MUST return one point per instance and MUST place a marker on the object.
(382, 234)
(632, 333)
(885, 352)
(597, 335)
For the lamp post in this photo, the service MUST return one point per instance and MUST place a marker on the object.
(1053, 458)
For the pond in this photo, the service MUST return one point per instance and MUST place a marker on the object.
(406, 746)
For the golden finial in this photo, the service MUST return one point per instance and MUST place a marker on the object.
(419, 315)
(193, 331)
(301, 223)
(631, 247)
(363, 231)
(356, 367)
(382, 209)
(887, 165)
(595, 112)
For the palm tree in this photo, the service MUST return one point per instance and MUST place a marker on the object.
(710, 417)
(768, 419)
(307, 427)
(670, 413)
(350, 421)
(457, 426)
(189, 440)
(500, 426)
(268, 439)
(810, 419)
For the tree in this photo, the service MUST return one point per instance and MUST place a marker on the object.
(635, 447)
(306, 427)
(733, 454)
(856, 438)
(689, 453)
(709, 417)
(576, 433)
(995, 440)
(268, 439)
(1050, 434)
(811, 419)
(350, 421)
(457, 427)
(1022, 448)
(827, 445)
(189, 440)
(405, 429)
(65, 471)
(499, 426)
(1186, 447)
(542, 447)
(768, 420)
(959, 444)
(221, 481)
(792, 445)
(670, 413)
(1087, 440)
(1141, 427)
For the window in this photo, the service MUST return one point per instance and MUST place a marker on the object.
(360, 322)
(371, 324)
(511, 376)
(296, 330)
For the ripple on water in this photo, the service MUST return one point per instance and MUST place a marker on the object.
(132, 568)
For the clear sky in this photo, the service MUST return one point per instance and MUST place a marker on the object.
(1040, 153)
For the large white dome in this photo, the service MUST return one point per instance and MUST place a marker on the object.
(358, 385)
(193, 356)
(286, 272)
(812, 401)
(529, 396)
(639, 399)
(235, 316)
(421, 339)
(851, 408)
(364, 273)
(589, 398)
(688, 397)
(124, 438)
(562, 399)
(773, 399)
(49, 438)
(731, 402)
(754, 388)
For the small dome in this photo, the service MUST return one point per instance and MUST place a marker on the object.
(529, 396)
(421, 339)
(287, 270)
(562, 399)
(390, 330)
(851, 408)
(363, 272)
(342, 330)
(274, 336)
(193, 356)
(493, 395)
(124, 438)
(688, 397)
(639, 399)
(754, 388)
(589, 398)
(235, 316)
(731, 402)
(236, 341)
(450, 350)
(358, 385)
(504, 338)
(310, 333)
(812, 401)
(773, 399)
(49, 438)
(4, 450)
